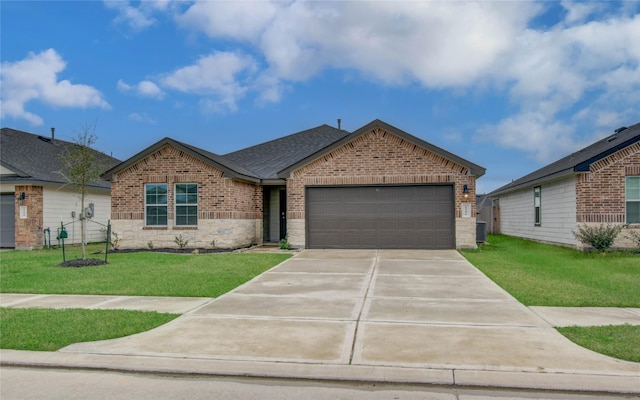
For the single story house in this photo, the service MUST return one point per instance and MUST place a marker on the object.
(376, 187)
(35, 195)
(599, 184)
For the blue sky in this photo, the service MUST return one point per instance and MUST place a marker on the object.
(507, 85)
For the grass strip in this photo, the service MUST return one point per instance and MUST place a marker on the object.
(619, 341)
(44, 329)
(133, 274)
(540, 274)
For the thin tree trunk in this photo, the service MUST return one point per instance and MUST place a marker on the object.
(83, 227)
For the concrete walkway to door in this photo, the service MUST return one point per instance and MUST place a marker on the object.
(390, 315)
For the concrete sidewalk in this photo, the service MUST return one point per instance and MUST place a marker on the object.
(555, 316)
(397, 316)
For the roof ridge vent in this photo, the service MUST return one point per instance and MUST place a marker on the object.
(622, 128)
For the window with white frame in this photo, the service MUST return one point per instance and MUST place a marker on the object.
(537, 205)
(186, 204)
(155, 204)
(632, 199)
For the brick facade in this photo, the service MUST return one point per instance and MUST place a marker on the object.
(28, 230)
(378, 158)
(600, 194)
(219, 198)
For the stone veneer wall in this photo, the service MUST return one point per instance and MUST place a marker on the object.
(229, 211)
(28, 231)
(600, 194)
(211, 233)
(378, 158)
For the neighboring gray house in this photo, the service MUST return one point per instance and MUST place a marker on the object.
(34, 194)
(375, 187)
(599, 184)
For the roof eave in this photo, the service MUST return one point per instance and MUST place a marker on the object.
(16, 171)
(585, 165)
(273, 182)
(35, 181)
(534, 182)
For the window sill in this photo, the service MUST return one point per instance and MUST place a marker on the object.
(154, 228)
(185, 228)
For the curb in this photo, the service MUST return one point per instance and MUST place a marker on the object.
(569, 381)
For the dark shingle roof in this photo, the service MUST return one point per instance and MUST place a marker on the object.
(267, 159)
(38, 159)
(578, 161)
(271, 160)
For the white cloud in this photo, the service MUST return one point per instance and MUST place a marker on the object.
(137, 19)
(241, 20)
(143, 88)
(436, 44)
(533, 133)
(142, 117)
(552, 73)
(579, 11)
(224, 75)
(35, 78)
(555, 77)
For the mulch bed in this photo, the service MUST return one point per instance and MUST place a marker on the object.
(172, 250)
(77, 263)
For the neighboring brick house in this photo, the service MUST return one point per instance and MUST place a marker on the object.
(599, 184)
(377, 187)
(35, 196)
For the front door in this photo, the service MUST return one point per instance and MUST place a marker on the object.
(275, 213)
(283, 213)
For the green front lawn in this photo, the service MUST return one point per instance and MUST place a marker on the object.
(545, 275)
(133, 274)
(539, 274)
(619, 341)
(43, 329)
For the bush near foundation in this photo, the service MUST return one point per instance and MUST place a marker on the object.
(600, 237)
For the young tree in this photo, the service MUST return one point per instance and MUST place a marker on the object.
(81, 168)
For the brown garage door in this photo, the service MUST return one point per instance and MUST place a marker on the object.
(380, 217)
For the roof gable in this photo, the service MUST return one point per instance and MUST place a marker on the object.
(473, 168)
(228, 167)
(580, 161)
(34, 158)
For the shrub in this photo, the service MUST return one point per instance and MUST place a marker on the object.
(599, 237)
(634, 236)
(114, 241)
(181, 241)
(284, 244)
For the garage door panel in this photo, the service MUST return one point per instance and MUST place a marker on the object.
(418, 216)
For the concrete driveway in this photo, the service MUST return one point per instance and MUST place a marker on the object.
(393, 308)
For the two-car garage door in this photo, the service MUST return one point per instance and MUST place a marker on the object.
(380, 217)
